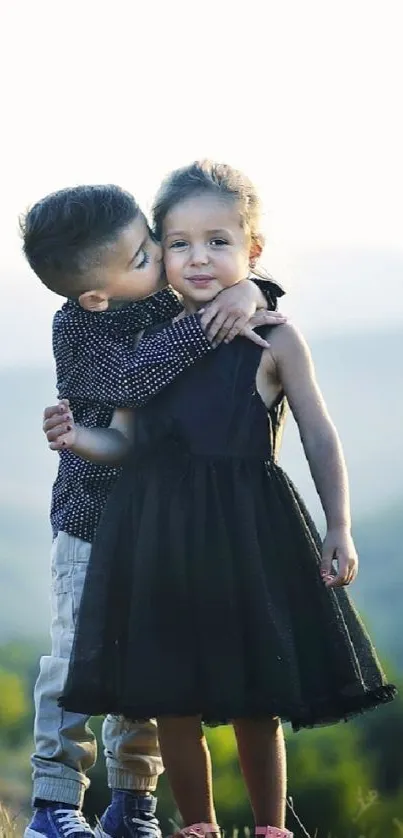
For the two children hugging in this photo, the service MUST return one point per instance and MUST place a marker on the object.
(206, 557)
(92, 245)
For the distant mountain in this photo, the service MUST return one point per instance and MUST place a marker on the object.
(361, 380)
(329, 288)
(379, 588)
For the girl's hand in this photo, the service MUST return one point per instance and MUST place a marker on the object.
(339, 546)
(59, 427)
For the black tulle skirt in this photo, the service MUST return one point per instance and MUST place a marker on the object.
(203, 596)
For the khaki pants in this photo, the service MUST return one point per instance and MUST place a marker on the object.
(65, 746)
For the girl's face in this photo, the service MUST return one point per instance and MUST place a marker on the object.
(205, 248)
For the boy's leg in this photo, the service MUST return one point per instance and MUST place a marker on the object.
(134, 763)
(133, 757)
(65, 747)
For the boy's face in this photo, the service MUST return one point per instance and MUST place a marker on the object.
(131, 268)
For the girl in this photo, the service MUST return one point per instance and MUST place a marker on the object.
(206, 558)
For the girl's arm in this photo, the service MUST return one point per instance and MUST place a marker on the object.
(105, 446)
(322, 447)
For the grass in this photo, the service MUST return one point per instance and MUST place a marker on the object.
(11, 826)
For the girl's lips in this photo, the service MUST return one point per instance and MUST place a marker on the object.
(200, 280)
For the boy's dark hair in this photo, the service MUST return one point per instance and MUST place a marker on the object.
(206, 176)
(65, 233)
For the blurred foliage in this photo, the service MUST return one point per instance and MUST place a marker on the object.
(13, 700)
(345, 781)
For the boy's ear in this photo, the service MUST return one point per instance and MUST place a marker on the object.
(256, 248)
(94, 300)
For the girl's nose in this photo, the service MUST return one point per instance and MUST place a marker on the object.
(199, 255)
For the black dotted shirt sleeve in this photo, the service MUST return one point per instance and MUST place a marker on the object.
(98, 361)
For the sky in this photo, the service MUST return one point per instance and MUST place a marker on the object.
(305, 97)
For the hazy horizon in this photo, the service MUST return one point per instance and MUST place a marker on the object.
(328, 292)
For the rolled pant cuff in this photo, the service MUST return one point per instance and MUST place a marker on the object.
(59, 791)
(120, 779)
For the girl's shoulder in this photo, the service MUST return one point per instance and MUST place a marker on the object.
(287, 340)
(288, 353)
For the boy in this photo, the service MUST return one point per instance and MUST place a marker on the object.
(92, 245)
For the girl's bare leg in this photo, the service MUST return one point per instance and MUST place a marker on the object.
(262, 757)
(187, 761)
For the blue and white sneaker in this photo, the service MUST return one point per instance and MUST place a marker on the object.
(58, 821)
(129, 815)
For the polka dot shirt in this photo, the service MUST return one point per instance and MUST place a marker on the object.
(99, 368)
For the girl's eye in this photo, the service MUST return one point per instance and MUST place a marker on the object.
(178, 245)
(218, 242)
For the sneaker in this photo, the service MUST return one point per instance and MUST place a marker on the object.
(58, 822)
(129, 815)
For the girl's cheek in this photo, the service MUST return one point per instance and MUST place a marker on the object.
(172, 262)
(170, 268)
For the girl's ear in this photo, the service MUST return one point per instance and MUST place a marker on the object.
(256, 247)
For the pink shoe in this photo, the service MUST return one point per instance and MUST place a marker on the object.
(273, 832)
(197, 830)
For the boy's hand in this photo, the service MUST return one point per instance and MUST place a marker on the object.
(339, 546)
(58, 425)
(263, 317)
(230, 313)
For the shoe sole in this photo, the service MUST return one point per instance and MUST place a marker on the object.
(98, 833)
(32, 833)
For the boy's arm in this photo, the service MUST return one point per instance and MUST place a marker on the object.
(104, 366)
(162, 306)
(221, 321)
(101, 363)
(257, 294)
(165, 305)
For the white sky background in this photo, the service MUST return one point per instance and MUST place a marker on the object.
(306, 97)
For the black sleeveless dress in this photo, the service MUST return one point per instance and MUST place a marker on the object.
(203, 593)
